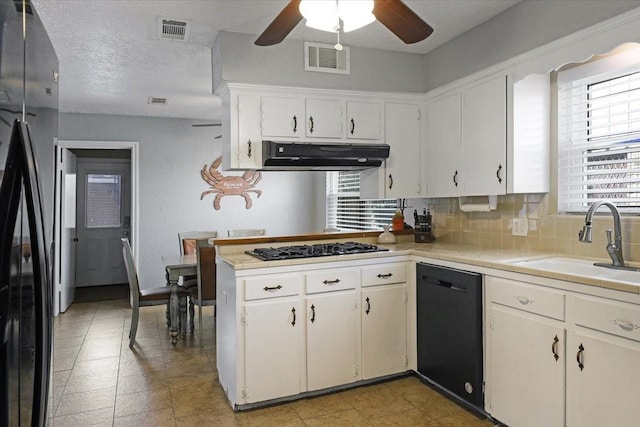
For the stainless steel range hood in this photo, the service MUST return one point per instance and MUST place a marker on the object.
(318, 156)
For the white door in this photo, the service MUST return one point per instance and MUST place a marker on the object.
(331, 340)
(68, 229)
(274, 349)
(103, 217)
(384, 331)
(605, 391)
(442, 153)
(402, 133)
(324, 118)
(282, 116)
(527, 381)
(484, 137)
(364, 120)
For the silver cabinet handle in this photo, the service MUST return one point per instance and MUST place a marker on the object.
(524, 300)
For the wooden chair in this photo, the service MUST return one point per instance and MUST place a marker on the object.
(246, 232)
(187, 242)
(146, 297)
(205, 291)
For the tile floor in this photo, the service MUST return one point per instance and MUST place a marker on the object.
(98, 380)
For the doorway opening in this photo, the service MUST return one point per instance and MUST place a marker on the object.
(96, 205)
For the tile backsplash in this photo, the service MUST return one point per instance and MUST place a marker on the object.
(546, 232)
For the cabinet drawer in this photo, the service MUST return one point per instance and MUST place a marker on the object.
(384, 274)
(331, 280)
(272, 286)
(612, 317)
(526, 297)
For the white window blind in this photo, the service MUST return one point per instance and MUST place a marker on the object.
(345, 209)
(599, 139)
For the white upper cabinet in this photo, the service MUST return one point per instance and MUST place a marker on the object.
(364, 120)
(402, 133)
(441, 148)
(484, 137)
(325, 118)
(488, 137)
(282, 116)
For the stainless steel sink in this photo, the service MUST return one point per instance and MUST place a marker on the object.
(578, 267)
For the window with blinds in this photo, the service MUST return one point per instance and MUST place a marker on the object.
(345, 209)
(599, 136)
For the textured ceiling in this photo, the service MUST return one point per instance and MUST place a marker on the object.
(111, 59)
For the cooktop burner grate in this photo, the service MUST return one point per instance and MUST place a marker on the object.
(317, 250)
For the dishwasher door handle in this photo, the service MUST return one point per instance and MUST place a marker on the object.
(450, 285)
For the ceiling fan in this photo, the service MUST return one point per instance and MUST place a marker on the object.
(393, 14)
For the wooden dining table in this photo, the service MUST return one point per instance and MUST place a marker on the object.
(176, 266)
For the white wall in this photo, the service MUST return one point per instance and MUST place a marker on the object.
(519, 29)
(172, 153)
(237, 59)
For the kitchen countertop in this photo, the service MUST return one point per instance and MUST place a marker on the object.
(499, 259)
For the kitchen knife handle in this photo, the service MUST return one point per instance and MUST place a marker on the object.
(368, 306)
(293, 310)
(311, 124)
(580, 357)
(353, 126)
(313, 313)
(295, 124)
(554, 348)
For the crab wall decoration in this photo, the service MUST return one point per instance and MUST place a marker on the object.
(229, 185)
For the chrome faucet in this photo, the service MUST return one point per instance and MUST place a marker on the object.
(614, 247)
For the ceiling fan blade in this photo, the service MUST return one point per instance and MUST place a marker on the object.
(204, 125)
(282, 25)
(401, 20)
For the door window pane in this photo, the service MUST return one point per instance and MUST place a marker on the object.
(103, 200)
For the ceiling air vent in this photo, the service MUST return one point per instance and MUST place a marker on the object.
(173, 29)
(326, 59)
(27, 6)
(156, 101)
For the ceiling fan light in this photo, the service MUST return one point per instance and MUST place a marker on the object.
(320, 14)
(355, 14)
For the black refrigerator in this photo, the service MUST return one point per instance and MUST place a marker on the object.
(28, 128)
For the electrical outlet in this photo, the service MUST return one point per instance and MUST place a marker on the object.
(519, 226)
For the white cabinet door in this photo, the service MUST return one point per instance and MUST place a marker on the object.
(402, 133)
(364, 120)
(282, 116)
(384, 330)
(248, 144)
(442, 151)
(324, 118)
(331, 339)
(526, 383)
(274, 349)
(604, 392)
(484, 137)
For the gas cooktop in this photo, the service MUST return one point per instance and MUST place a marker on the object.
(318, 250)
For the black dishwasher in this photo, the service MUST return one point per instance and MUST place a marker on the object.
(449, 312)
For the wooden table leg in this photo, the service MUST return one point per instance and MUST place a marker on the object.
(175, 308)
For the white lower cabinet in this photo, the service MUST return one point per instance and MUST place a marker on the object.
(525, 354)
(603, 363)
(305, 329)
(527, 381)
(274, 345)
(384, 330)
(556, 358)
(331, 339)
